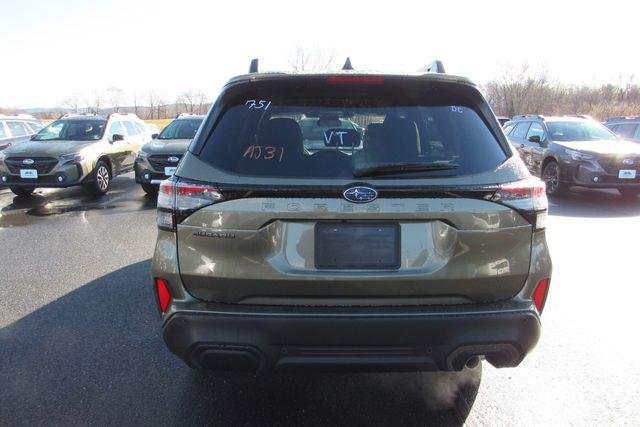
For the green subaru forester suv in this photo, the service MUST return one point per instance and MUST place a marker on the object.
(77, 149)
(416, 245)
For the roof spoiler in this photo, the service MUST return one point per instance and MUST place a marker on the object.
(528, 116)
(435, 67)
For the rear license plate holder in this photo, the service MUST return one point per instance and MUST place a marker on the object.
(357, 246)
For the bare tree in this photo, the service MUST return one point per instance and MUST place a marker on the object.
(152, 102)
(137, 99)
(311, 59)
(187, 99)
(72, 103)
(523, 90)
(115, 97)
(161, 107)
(202, 102)
(95, 102)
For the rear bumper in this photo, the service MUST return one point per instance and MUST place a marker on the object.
(290, 338)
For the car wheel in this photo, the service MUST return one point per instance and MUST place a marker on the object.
(101, 179)
(629, 192)
(150, 189)
(22, 191)
(551, 178)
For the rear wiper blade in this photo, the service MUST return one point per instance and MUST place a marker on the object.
(392, 168)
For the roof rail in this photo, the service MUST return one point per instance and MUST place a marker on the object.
(118, 114)
(17, 116)
(528, 116)
(435, 67)
(347, 65)
(623, 118)
(253, 67)
(580, 116)
(65, 115)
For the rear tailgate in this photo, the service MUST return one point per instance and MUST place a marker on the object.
(264, 251)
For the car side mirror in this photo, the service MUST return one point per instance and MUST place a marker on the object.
(155, 135)
(535, 138)
(117, 137)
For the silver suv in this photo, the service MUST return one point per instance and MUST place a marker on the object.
(17, 128)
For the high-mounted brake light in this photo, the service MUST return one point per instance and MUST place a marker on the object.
(540, 294)
(367, 80)
(164, 296)
(179, 198)
(528, 197)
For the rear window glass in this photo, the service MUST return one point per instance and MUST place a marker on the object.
(322, 130)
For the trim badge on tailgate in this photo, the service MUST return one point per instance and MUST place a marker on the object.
(360, 194)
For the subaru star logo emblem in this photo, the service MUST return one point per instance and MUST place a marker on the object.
(628, 162)
(360, 194)
(28, 162)
(173, 159)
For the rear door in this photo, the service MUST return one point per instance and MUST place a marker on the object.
(535, 150)
(121, 150)
(331, 227)
(518, 137)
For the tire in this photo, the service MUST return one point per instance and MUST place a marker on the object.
(150, 189)
(22, 191)
(629, 192)
(101, 179)
(551, 178)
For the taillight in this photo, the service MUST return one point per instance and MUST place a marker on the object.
(164, 296)
(540, 294)
(528, 197)
(178, 198)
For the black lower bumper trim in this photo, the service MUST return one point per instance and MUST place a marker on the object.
(376, 342)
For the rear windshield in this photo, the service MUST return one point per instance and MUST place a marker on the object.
(320, 129)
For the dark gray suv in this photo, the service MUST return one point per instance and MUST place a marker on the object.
(419, 245)
(571, 151)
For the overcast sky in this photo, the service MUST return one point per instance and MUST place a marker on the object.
(52, 48)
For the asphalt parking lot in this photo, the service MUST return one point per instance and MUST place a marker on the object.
(80, 340)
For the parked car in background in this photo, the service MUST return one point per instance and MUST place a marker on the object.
(423, 250)
(18, 128)
(575, 151)
(152, 129)
(77, 149)
(502, 120)
(625, 127)
(159, 158)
